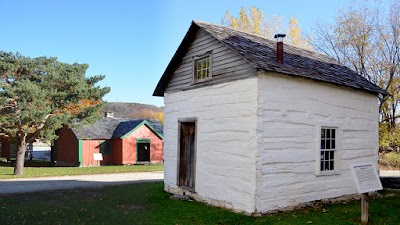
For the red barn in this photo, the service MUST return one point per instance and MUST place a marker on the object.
(119, 141)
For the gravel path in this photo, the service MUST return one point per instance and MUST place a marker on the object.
(389, 178)
(24, 185)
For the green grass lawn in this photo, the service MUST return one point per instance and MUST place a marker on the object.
(146, 203)
(42, 169)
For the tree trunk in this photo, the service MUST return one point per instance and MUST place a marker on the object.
(19, 164)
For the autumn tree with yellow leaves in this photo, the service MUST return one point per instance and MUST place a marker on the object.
(366, 37)
(255, 22)
(40, 95)
(150, 114)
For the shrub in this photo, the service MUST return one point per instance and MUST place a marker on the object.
(388, 137)
(390, 160)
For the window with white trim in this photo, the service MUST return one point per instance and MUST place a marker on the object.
(328, 147)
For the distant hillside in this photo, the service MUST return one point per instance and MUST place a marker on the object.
(132, 110)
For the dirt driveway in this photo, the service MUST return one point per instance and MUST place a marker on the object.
(25, 185)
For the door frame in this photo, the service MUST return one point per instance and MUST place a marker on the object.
(143, 141)
(180, 121)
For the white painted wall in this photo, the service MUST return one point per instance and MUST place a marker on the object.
(226, 142)
(291, 111)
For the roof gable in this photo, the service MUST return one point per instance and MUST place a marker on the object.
(112, 127)
(176, 59)
(261, 54)
(126, 128)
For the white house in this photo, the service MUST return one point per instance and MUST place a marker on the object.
(249, 133)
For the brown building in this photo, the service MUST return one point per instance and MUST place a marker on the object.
(120, 141)
(4, 146)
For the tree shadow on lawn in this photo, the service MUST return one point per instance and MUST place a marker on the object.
(147, 203)
(391, 182)
(29, 163)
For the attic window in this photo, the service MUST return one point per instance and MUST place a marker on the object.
(202, 68)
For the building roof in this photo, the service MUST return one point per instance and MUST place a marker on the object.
(101, 129)
(261, 54)
(126, 127)
(112, 127)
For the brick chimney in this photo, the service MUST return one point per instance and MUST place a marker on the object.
(279, 47)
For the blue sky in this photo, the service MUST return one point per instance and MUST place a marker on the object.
(131, 42)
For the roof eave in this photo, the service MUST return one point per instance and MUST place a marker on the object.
(380, 92)
(144, 122)
(182, 49)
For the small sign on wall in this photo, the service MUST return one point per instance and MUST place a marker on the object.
(366, 177)
(98, 156)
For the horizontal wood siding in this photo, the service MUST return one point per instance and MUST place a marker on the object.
(117, 151)
(66, 147)
(156, 143)
(129, 150)
(129, 146)
(225, 173)
(89, 147)
(226, 64)
(291, 110)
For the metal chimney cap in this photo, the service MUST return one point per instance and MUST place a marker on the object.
(280, 35)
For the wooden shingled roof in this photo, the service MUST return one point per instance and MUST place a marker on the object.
(112, 127)
(101, 129)
(261, 54)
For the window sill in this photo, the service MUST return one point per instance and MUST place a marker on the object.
(202, 81)
(326, 173)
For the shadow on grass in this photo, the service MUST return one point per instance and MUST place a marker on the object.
(64, 183)
(28, 163)
(147, 203)
(391, 182)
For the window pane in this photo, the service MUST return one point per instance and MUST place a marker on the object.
(328, 144)
(202, 68)
(326, 165)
